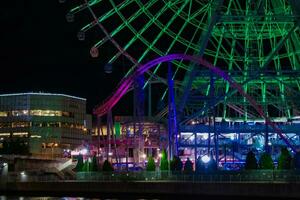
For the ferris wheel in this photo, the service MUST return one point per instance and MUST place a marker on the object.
(257, 42)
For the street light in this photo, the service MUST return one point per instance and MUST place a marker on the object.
(205, 159)
(144, 156)
(83, 151)
(53, 145)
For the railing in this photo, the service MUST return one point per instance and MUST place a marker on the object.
(249, 176)
(269, 176)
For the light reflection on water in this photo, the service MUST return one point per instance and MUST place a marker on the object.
(60, 198)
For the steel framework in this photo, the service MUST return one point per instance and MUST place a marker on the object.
(255, 42)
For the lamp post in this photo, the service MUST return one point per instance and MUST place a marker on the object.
(53, 145)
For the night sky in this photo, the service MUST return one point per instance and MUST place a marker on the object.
(39, 51)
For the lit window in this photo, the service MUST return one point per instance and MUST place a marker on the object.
(3, 114)
(20, 134)
(51, 113)
(20, 124)
(20, 112)
(35, 136)
(4, 134)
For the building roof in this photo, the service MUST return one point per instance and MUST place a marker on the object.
(41, 94)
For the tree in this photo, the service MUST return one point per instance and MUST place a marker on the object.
(176, 164)
(107, 167)
(79, 165)
(266, 162)
(164, 164)
(150, 164)
(94, 165)
(188, 166)
(251, 161)
(285, 159)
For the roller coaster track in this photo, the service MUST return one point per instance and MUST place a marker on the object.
(128, 81)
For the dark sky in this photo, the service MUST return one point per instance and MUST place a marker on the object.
(39, 51)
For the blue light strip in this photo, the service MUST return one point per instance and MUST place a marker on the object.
(42, 94)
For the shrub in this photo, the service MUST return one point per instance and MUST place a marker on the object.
(251, 161)
(107, 167)
(296, 160)
(200, 166)
(79, 165)
(266, 162)
(212, 165)
(188, 166)
(94, 165)
(151, 164)
(164, 164)
(176, 164)
(86, 166)
(285, 159)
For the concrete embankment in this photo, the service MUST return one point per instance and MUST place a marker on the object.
(276, 190)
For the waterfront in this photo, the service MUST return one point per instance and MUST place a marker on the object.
(60, 198)
(127, 198)
(153, 189)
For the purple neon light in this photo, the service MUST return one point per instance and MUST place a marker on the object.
(127, 82)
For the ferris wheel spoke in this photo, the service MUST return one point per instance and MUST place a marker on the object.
(197, 32)
(147, 43)
(160, 25)
(105, 16)
(162, 32)
(137, 34)
(159, 36)
(130, 58)
(141, 30)
(83, 6)
(227, 84)
(119, 28)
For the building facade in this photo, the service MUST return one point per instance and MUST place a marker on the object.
(45, 123)
(130, 142)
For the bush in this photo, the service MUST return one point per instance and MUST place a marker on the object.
(200, 166)
(188, 166)
(176, 164)
(164, 164)
(150, 164)
(251, 161)
(94, 165)
(107, 167)
(296, 160)
(212, 165)
(79, 165)
(266, 162)
(86, 166)
(285, 159)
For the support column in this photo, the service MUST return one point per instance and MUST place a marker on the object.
(98, 137)
(195, 149)
(267, 148)
(212, 103)
(149, 100)
(108, 150)
(172, 119)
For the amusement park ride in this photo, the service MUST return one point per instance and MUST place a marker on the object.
(233, 70)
